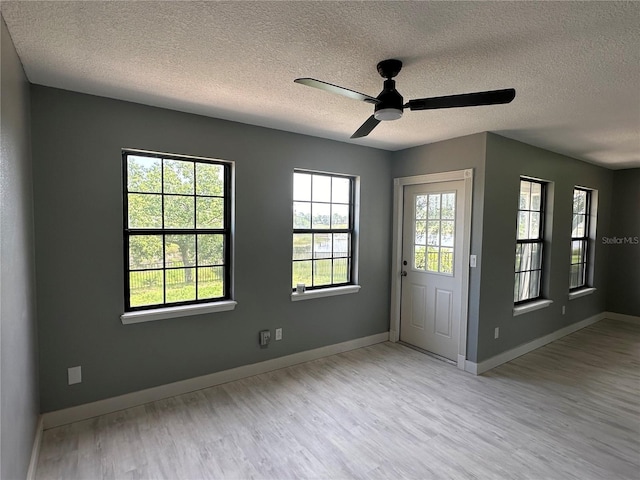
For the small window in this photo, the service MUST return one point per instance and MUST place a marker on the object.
(323, 229)
(530, 241)
(580, 227)
(176, 230)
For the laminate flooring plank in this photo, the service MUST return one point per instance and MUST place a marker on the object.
(568, 410)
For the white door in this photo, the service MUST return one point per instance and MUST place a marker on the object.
(432, 266)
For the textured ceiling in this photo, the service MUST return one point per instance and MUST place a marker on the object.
(575, 65)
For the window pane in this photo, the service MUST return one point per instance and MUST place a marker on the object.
(178, 176)
(421, 232)
(433, 233)
(321, 188)
(433, 259)
(301, 215)
(434, 206)
(523, 225)
(144, 174)
(446, 233)
(209, 179)
(516, 288)
(320, 215)
(210, 282)
(525, 195)
(302, 186)
(302, 246)
(322, 245)
(181, 285)
(178, 212)
(579, 201)
(340, 190)
(523, 286)
(341, 244)
(340, 216)
(146, 288)
(578, 225)
(576, 251)
(340, 270)
(209, 212)
(301, 273)
(145, 252)
(534, 225)
(448, 205)
(419, 260)
(421, 207)
(145, 211)
(576, 278)
(536, 256)
(536, 196)
(534, 284)
(446, 260)
(179, 250)
(210, 249)
(519, 248)
(322, 272)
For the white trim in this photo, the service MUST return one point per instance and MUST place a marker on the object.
(504, 357)
(531, 307)
(35, 450)
(324, 292)
(396, 266)
(113, 404)
(622, 317)
(175, 312)
(583, 292)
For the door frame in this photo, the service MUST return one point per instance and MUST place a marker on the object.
(396, 259)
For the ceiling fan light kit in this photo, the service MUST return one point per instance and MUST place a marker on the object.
(388, 105)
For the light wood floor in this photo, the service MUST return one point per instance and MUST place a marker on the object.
(570, 410)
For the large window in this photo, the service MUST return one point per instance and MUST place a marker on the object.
(176, 230)
(323, 225)
(530, 241)
(580, 238)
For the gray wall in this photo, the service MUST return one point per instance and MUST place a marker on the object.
(506, 161)
(18, 345)
(457, 154)
(77, 142)
(624, 275)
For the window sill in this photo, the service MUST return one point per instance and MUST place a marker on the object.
(530, 307)
(581, 293)
(175, 312)
(324, 292)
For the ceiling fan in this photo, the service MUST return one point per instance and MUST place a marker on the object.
(389, 103)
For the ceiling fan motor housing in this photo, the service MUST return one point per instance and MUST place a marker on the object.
(391, 103)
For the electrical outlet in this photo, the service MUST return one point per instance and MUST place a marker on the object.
(473, 261)
(265, 338)
(564, 309)
(278, 334)
(496, 333)
(74, 375)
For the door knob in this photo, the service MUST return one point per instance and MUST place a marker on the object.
(403, 273)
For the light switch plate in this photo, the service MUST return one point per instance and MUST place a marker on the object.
(74, 375)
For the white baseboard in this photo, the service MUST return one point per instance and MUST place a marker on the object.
(504, 357)
(109, 405)
(35, 450)
(622, 317)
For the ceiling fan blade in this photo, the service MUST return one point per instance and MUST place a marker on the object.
(492, 97)
(329, 87)
(366, 128)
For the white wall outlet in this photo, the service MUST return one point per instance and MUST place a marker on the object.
(564, 309)
(278, 334)
(473, 261)
(74, 375)
(496, 333)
